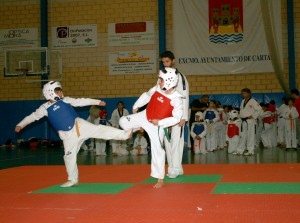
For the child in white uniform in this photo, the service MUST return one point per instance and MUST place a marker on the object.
(225, 123)
(140, 145)
(71, 129)
(290, 115)
(233, 131)
(281, 124)
(211, 116)
(174, 148)
(164, 109)
(198, 132)
(220, 130)
(101, 143)
(266, 133)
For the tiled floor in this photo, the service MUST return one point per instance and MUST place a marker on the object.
(54, 156)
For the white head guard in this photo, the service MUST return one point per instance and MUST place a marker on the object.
(233, 114)
(48, 90)
(170, 77)
(199, 114)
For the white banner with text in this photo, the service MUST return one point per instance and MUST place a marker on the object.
(223, 36)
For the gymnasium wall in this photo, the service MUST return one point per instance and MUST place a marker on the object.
(85, 70)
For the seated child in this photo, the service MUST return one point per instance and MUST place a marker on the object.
(140, 145)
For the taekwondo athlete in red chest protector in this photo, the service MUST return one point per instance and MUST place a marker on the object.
(164, 109)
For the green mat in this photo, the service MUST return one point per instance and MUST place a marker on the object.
(87, 188)
(210, 178)
(257, 188)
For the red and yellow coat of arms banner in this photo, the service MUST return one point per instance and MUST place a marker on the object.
(224, 36)
(225, 21)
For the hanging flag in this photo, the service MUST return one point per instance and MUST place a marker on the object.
(223, 36)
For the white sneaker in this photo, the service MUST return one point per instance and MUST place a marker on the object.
(70, 183)
(248, 154)
(234, 153)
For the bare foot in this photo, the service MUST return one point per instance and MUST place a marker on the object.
(160, 183)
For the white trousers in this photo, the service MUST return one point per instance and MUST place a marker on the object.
(220, 134)
(281, 131)
(259, 129)
(274, 135)
(199, 146)
(174, 150)
(72, 141)
(210, 138)
(156, 136)
(290, 133)
(267, 135)
(100, 147)
(233, 144)
(247, 139)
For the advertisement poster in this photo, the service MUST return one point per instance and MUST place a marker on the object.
(76, 36)
(132, 33)
(132, 62)
(19, 38)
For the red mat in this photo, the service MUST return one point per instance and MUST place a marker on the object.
(189, 202)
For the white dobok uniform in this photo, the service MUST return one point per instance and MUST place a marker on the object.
(165, 107)
(290, 126)
(73, 130)
(199, 129)
(249, 112)
(174, 148)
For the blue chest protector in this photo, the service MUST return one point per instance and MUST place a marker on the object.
(62, 116)
(210, 115)
(198, 129)
(102, 122)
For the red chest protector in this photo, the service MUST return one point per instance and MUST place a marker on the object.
(232, 130)
(159, 107)
(267, 120)
(221, 116)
